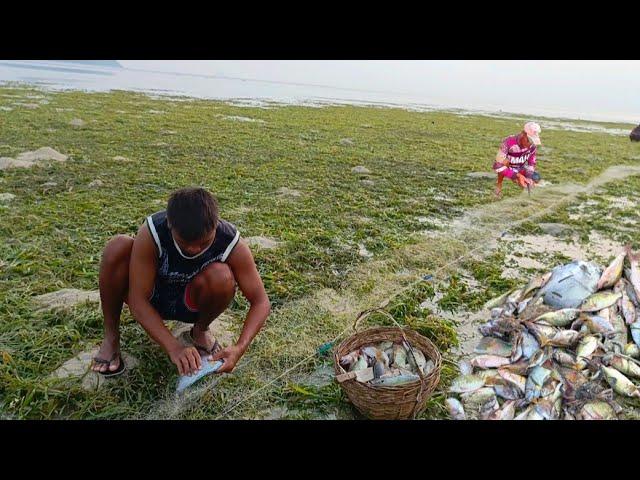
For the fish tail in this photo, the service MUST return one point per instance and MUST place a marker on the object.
(632, 257)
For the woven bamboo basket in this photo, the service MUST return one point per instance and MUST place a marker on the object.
(398, 402)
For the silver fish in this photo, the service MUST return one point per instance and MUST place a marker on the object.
(465, 367)
(624, 365)
(519, 368)
(534, 414)
(374, 354)
(631, 293)
(516, 351)
(541, 331)
(635, 332)
(534, 284)
(456, 410)
(563, 338)
(395, 380)
(628, 309)
(508, 392)
(360, 364)
(545, 408)
(558, 318)
(207, 368)
(600, 300)
(549, 387)
(491, 377)
(604, 313)
(506, 412)
(597, 324)
(564, 358)
(428, 367)
(489, 361)
(634, 272)
(612, 273)
(378, 369)
(586, 346)
(535, 382)
(620, 384)
(632, 350)
(529, 344)
(419, 361)
(513, 379)
(597, 410)
(400, 356)
(348, 360)
(523, 305)
(482, 401)
(466, 383)
(523, 415)
(498, 301)
(493, 346)
(514, 296)
(540, 357)
(620, 329)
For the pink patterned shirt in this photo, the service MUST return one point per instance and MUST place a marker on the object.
(519, 158)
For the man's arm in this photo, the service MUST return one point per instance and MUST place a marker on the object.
(142, 275)
(501, 165)
(246, 274)
(531, 162)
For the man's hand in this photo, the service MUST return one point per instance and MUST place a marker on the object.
(230, 355)
(187, 359)
(523, 181)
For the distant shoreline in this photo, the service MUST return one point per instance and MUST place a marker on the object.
(485, 110)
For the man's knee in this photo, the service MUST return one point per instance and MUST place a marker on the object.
(117, 251)
(215, 278)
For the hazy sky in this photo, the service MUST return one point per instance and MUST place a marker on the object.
(607, 85)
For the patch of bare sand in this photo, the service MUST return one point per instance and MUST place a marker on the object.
(288, 192)
(262, 242)
(79, 366)
(65, 298)
(222, 329)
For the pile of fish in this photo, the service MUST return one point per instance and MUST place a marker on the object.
(559, 348)
(386, 364)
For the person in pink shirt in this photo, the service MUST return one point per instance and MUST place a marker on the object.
(516, 158)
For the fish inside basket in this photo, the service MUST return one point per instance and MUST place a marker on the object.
(377, 395)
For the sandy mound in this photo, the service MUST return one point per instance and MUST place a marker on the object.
(29, 159)
(65, 298)
(481, 175)
(284, 191)
(42, 154)
(79, 366)
(262, 242)
(6, 197)
(360, 169)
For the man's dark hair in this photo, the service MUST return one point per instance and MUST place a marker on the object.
(192, 213)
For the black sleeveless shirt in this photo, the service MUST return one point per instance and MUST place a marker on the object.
(178, 269)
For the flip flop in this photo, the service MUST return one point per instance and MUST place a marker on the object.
(107, 373)
(204, 350)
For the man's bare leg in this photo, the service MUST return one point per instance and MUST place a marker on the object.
(498, 191)
(212, 291)
(114, 283)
